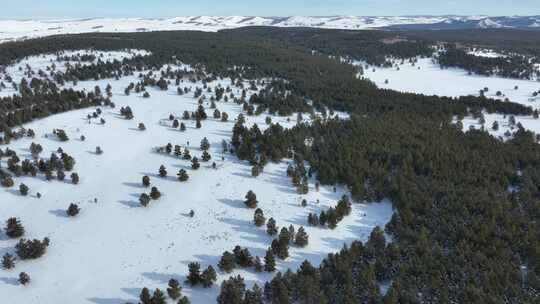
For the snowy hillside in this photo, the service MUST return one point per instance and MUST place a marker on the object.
(115, 246)
(22, 29)
(426, 77)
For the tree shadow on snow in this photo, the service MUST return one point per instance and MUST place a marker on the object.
(134, 185)
(130, 204)
(232, 203)
(59, 212)
(162, 278)
(9, 281)
(108, 300)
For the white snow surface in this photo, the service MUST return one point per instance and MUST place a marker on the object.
(430, 79)
(114, 247)
(25, 29)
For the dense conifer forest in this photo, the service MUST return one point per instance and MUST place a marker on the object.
(466, 226)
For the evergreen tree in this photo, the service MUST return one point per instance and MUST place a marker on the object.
(208, 277)
(174, 289)
(145, 297)
(271, 227)
(72, 210)
(224, 117)
(242, 257)
(302, 237)
(205, 144)
(154, 193)
(187, 155)
(195, 165)
(74, 178)
(158, 297)
(8, 261)
(251, 200)
(23, 189)
(146, 181)
(194, 276)
(227, 262)
(182, 175)
(14, 228)
(162, 171)
(253, 296)
(257, 264)
(206, 156)
(232, 291)
(258, 218)
(144, 199)
(269, 261)
(255, 170)
(24, 278)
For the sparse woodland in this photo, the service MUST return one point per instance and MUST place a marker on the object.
(458, 235)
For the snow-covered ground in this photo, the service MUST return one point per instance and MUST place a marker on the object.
(485, 53)
(46, 62)
(114, 247)
(426, 77)
(25, 29)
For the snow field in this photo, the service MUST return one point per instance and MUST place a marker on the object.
(115, 247)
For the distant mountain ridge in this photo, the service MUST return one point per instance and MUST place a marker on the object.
(24, 29)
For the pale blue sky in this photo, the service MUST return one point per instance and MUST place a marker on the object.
(166, 8)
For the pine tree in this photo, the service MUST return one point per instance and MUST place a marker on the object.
(162, 171)
(269, 261)
(251, 200)
(195, 165)
(205, 144)
(144, 199)
(232, 291)
(257, 264)
(224, 117)
(182, 175)
(8, 261)
(253, 296)
(206, 156)
(158, 297)
(258, 217)
(184, 300)
(271, 227)
(154, 193)
(187, 155)
(208, 277)
(24, 278)
(302, 237)
(14, 228)
(72, 210)
(175, 123)
(242, 257)
(174, 290)
(146, 181)
(194, 276)
(74, 178)
(145, 297)
(23, 189)
(255, 170)
(227, 262)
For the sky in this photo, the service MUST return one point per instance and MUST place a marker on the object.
(168, 8)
